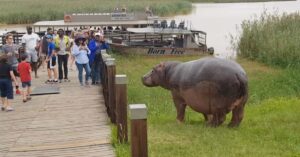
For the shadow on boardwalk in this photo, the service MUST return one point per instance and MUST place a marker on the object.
(72, 123)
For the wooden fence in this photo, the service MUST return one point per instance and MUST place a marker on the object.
(115, 96)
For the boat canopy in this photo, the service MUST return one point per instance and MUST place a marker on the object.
(62, 23)
(151, 30)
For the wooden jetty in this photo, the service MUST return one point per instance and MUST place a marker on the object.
(72, 123)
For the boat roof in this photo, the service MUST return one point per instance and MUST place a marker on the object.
(62, 23)
(151, 30)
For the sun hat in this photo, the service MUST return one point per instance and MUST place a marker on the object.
(98, 34)
(79, 37)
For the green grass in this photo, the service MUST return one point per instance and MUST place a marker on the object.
(270, 128)
(271, 39)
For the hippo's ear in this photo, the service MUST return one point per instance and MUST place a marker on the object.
(162, 64)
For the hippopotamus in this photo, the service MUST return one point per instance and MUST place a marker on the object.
(211, 86)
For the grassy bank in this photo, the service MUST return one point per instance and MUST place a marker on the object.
(272, 39)
(270, 128)
(29, 11)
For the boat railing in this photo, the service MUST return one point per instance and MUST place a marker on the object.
(17, 37)
(128, 36)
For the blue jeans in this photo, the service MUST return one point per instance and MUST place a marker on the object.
(80, 70)
(96, 71)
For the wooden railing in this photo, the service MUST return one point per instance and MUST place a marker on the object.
(115, 96)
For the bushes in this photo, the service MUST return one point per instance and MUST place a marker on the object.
(272, 39)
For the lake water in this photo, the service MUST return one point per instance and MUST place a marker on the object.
(219, 20)
(222, 19)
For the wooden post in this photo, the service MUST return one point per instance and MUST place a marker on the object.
(121, 107)
(104, 79)
(139, 146)
(111, 72)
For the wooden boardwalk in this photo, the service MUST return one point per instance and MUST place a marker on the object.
(72, 123)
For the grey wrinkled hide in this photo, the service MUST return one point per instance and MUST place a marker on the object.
(209, 85)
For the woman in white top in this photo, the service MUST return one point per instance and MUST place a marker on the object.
(80, 51)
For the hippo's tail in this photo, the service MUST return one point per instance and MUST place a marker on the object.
(243, 87)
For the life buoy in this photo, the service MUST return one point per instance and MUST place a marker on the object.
(67, 18)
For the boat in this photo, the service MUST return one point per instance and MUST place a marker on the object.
(160, 39)
(135, 32)
(121, 18)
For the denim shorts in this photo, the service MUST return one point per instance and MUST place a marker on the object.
(6, 88)
(26, 84)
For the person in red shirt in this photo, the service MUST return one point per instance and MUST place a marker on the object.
(24, 70)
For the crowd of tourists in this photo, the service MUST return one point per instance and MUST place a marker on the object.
(53, 50)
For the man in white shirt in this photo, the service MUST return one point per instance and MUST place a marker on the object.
(30, 42)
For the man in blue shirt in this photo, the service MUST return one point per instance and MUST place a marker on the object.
(95, 46)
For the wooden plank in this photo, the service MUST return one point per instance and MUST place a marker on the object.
(87, 151)
(72, 123)
(73, 144)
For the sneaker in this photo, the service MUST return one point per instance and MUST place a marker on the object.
(8, 109)
(28, 97)
(55, 81)
(24, 100)
(2, 108)
(48, 81)
(18, 92)
(66, 80)
(59, 81)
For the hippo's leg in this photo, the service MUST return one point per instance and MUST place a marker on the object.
(207, 117)
(180, 112)
(218, 119)
(180, 106)
(238, 112)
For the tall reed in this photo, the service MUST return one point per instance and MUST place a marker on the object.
(272, 39)
(231, 1)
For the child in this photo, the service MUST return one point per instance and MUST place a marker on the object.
(51, 60)
(24, 70)
(6, 89)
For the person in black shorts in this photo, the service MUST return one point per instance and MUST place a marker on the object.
(51, 60)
